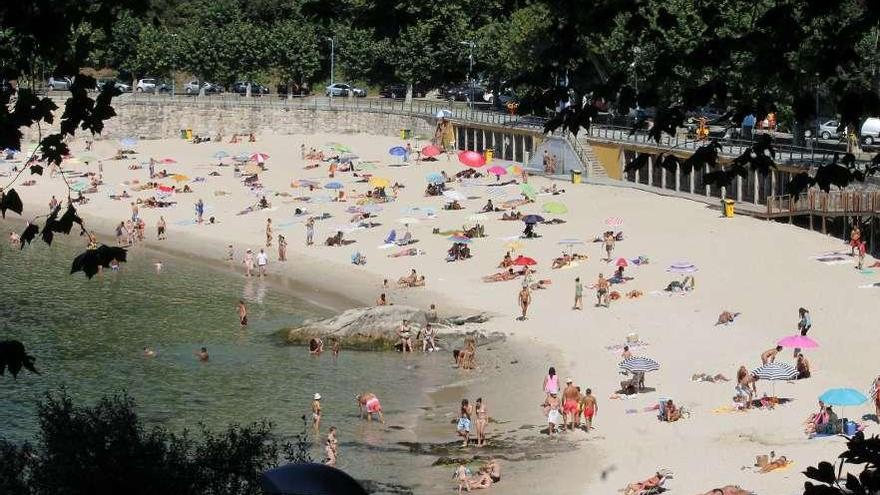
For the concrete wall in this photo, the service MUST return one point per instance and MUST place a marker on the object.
(153, 120)
(609, 157)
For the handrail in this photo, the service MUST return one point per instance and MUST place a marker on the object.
(822, 203)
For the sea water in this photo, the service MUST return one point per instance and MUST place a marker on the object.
(88, 337)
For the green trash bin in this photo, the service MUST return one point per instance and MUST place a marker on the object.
(405, 133)
(183, 134)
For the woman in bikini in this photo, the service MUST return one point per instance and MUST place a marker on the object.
(482, 421)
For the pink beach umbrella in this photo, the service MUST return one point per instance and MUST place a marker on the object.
(798, 341)
(614, 221)
(430, 151)
(259, 157)
(168, 161)
(471, 159)
(621, 262)
(497, 170)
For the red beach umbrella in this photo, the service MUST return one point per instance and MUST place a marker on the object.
(471, 159)
(524, 261)
(621, 262)
(430, 151)
(168, 161)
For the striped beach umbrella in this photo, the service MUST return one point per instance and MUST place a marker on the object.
(639, 364)
(775, 371)
(614, 221)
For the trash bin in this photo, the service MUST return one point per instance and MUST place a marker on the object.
(727, 204)
(183, 134)
(488, 154)
(189, 134)
(575, 176)
(405, 133)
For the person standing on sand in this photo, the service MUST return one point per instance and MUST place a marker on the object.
(200, 210)
(862, 250)
(525, 298)
(310, 231)
(570, 396)
(609, 245)
(242, 313)
(551, 410)
(382, 301)
(160, 228)
(769, 356)
(578, 294)
(463, 427)
(590, 407)
(282, 248)
(262, 261)
(302, 151)
(248, 262)
(804, 325)
(855, 238)
(876, 397)
(482, 421)
(551, 383)
(134, 211)
(269, 233)
(602, 291)
(316, 412)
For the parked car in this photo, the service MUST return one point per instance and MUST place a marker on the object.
(464, 92)
(296, 89)
(121, 86)
(192, 87)
(399, 91)
(828, 129)
(341, 89)
(871, 130)
(240, 87)
(59, 83)
(151, 85)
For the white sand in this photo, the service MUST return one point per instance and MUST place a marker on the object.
(761, 269)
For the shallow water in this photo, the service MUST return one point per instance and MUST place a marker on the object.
(88, 337)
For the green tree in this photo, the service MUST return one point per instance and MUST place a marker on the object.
(295, 55)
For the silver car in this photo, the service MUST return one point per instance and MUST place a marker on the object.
(59, 83)
(828, 129)
(340, 89)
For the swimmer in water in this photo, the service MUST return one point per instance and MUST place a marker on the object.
(242, 313)
(149, 352)
(202, 354)
(158, 265)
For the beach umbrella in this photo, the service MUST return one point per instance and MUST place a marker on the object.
(497, 170)
(498, 192)
(515, 169)
(79, 186)
(444, 113)
(570, 242)
(128, 142)
(460, 239)
(430, 151)
(454, 196)
(843, 397)
(478, 217)
(333, 185)
(371, 208)
(179, 178)
(379, 182)
(471, 159)
(638, 364)
(775, 371)
(168, 161)
(621, 262)
(528, 190)
(242, 157)
(397, 151)
(167, 189)
(798, 341)
(532, 219)
(614, 221)
(221, 155)
(408, 220)
(524, 261)
(682, 267)
(419, 210)
(252, 169)
(554, 207)
(259, 157)
(435, 178)
(347, 157)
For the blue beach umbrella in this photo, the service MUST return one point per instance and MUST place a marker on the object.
(220, 155)
(129, 141)
(397, 151)
(460, 239)
(435, 178)
(843, 397)
(333, 185)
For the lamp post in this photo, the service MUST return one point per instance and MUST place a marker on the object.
(332, 60)
(816, 139)
(173, 57)
(470, 45)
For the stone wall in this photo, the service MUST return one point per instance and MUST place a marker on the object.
(155, 120)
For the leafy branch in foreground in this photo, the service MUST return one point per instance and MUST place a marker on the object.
(859, 451)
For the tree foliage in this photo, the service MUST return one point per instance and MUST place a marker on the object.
(860, 451)
(106, 448)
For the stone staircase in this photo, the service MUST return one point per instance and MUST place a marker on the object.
(591, 162)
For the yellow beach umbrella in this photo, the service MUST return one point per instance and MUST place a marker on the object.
(514, 170)
(180, 178)
(513, 245)
(379, 182)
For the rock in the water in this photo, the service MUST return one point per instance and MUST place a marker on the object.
(372, 327)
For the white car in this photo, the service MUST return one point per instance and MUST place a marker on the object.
(59, 83)
(146, 85)
(340, 89)
(828, 129)
(871, 131)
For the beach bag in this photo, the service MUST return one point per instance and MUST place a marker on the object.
(850, 429)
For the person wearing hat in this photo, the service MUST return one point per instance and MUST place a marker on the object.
(570, 398)
(316, 412)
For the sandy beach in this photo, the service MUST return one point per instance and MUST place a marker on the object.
(764, 270)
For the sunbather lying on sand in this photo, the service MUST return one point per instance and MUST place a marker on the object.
(706, 377)
(639, 486)
(541, 284)
(501, 276)
(407, 252)
(728, 490)
(726, 318)
(777, 464)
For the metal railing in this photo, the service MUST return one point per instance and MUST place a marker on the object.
(822, 203)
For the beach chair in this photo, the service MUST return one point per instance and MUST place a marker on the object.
(392, 237)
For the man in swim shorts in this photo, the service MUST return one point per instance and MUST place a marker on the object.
(570, 403)
(602, 291)
(590, 406)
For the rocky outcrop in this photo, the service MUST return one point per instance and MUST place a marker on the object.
(360, 328)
